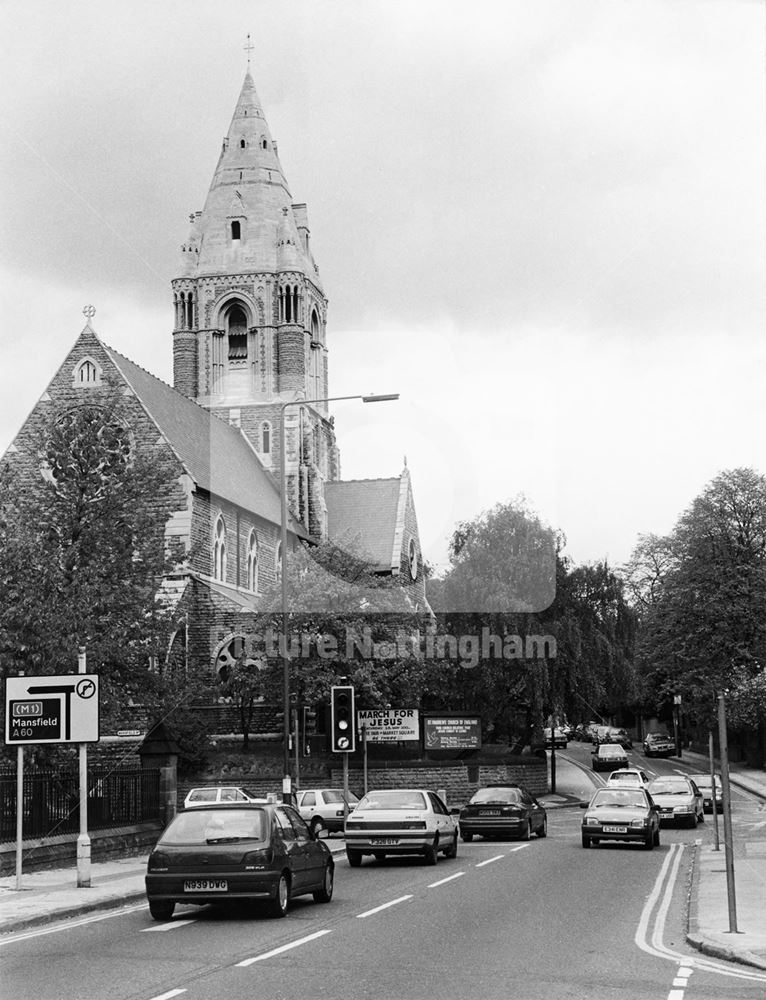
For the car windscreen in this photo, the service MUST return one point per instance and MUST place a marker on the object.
(669, 787)
(217, 826)
(618, 797)
(705, 781)
(393, 800)
(500, 796)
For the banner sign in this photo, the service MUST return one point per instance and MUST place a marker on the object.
(388, 725)
(452, 732)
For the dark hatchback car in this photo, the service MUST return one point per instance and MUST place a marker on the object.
(503, 811)
(237, 852)
(659, 745)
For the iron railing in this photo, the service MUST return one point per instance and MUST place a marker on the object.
(51, 800)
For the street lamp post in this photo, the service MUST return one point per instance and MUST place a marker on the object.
(286, 785)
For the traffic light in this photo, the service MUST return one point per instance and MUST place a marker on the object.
(342, 728)
(308, 728)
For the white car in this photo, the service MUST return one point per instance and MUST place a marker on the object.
(322, 808)
(222, 793)
(628, 777)
(401, 821)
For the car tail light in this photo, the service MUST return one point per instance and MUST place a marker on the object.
(258, 859)
(414, 826)
(158, 862)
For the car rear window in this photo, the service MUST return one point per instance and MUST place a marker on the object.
(393, 800)
(500, 795)
(210, 826)
(611, 751)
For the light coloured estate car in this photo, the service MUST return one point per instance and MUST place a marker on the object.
(679, 799)
(628, 777)
(212, 794)
(322, 808)
(401, 821)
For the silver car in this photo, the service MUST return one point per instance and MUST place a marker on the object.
(679, 799)
(401, 821)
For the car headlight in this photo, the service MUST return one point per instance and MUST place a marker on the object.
(591, 820)
(639, 822)
(683, 809)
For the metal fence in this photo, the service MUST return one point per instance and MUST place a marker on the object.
(51, 800)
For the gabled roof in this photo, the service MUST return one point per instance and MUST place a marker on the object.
(367, 513)
(217, 456)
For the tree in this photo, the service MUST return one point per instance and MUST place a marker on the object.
(82, 552)
(706, 630)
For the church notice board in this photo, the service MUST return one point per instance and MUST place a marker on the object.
(452, 732)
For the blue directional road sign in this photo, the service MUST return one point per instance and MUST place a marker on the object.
(57, 709)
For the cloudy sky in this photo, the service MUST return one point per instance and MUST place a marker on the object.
(542, 222)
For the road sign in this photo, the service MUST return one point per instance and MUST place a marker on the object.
(56, 709)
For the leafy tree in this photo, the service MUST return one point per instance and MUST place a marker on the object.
(82, 552)
(706, 631)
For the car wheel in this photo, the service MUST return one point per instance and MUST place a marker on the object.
(317, 826)
(693, 821)
(431, 853)
(278, 905)
(354, 857)
(451, 851)
(585, 841)
(467, 837)
(543, 831)
(657, 837)
(649, 841)
(324, 895)
(527, 833)
(701, 816)
(379, 856)
(161, 910)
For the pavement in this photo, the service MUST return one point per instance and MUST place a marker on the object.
(46, 896)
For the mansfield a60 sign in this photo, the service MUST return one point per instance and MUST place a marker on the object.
(57, 709)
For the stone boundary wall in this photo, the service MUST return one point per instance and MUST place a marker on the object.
(58, 852)
(458, 780)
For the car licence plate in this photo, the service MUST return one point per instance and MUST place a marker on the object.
(666, 813)
(206, 885)
(615, 829)
(384, 841)
(489, 812)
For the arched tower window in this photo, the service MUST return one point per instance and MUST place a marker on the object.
(86, 374)
(266, 437)
(252, 562)
(236, 326)
(236, 230)
(219, 550)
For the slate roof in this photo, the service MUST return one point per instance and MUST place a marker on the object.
(217, 456)
(364, 512)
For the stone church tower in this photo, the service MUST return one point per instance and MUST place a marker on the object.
(251, 314)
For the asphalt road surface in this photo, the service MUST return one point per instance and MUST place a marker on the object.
(537, 920)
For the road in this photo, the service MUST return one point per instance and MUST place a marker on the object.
(533, 920)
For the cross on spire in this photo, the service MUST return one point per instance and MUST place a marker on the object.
(248, 48)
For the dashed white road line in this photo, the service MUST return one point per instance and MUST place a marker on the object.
(449, 878)
(497, 857)
(385, 906)
(169, 994)
(282, 948)
(167, 927)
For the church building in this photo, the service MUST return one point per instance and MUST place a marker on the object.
(249, 336)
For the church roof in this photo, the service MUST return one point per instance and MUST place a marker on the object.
(366, 513)
(217, 456)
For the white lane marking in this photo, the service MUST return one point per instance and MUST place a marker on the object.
(284, 947)
(167, 927)
(169, 994)
(66, 925)
(676, 995)
(659, 950)
(385, 906)
(519, 848)
(680, 981)
(498, 857)
(449, 878)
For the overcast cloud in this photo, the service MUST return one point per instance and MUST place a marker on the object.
(543, 223)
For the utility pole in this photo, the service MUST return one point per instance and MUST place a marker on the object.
(728, 842)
